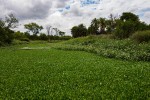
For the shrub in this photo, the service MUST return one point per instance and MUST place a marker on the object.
(65, 38)
(6, 35)
(43, 37)
(18, 35)
(25, 39)
(141, 36)
(124, 29)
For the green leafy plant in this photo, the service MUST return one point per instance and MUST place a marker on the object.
(141, 36)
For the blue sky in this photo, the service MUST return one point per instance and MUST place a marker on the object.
(64, 14)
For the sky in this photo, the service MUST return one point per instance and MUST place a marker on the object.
(64, 14)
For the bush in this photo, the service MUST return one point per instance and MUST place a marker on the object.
(125, 29)
(6, 35)
(141, 36)
(25, 39)
(18, 35)
(34, 37)
(65, 38)
(43, 37)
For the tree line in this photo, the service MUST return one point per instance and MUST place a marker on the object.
(121, 27)
(7, 35)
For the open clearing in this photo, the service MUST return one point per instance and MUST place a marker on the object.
(57, 74)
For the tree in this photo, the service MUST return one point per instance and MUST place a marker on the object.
(11, 21)
(48, 28)
(33, 27)
(126, 16)
(74, 31)
(93, 29)
(27, 35)
(79, 31)
(61, 33)
(19, 35)
(127, 24)
(102, 25)
(6, 34)
(57, 31)
(110, 24)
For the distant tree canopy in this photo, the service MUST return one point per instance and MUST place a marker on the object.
(79, 31)
(33, 27)
(128, 24)
(128, 16)
(121, 27)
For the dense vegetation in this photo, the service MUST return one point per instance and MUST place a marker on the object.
(104, 46)
(121, 28)
(35, 71)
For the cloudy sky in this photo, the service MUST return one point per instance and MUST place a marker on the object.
(64, 14)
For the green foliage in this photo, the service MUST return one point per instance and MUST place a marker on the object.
(128, 24)
(6, 34)
(60, 38)
(128, 16)
(40, 72)
(110, 24)
(65, 38)
(19, 35)
(120, 49)
(43, 37)
(141, 36)
(34, 37)
(142, 26)
(93, 28)
(25, 39)
(97, 26)
(79, 31)
(102, 25)
(20, 42)
(27, 35)
(33, 27)
(124, 29)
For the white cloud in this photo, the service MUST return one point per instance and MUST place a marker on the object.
(64, 14)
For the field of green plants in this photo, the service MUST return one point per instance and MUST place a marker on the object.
(104, 46)
(38, 71)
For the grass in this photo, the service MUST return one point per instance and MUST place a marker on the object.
(119, 49)
(56, 74)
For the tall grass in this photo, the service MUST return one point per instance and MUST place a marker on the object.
(120, 49)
